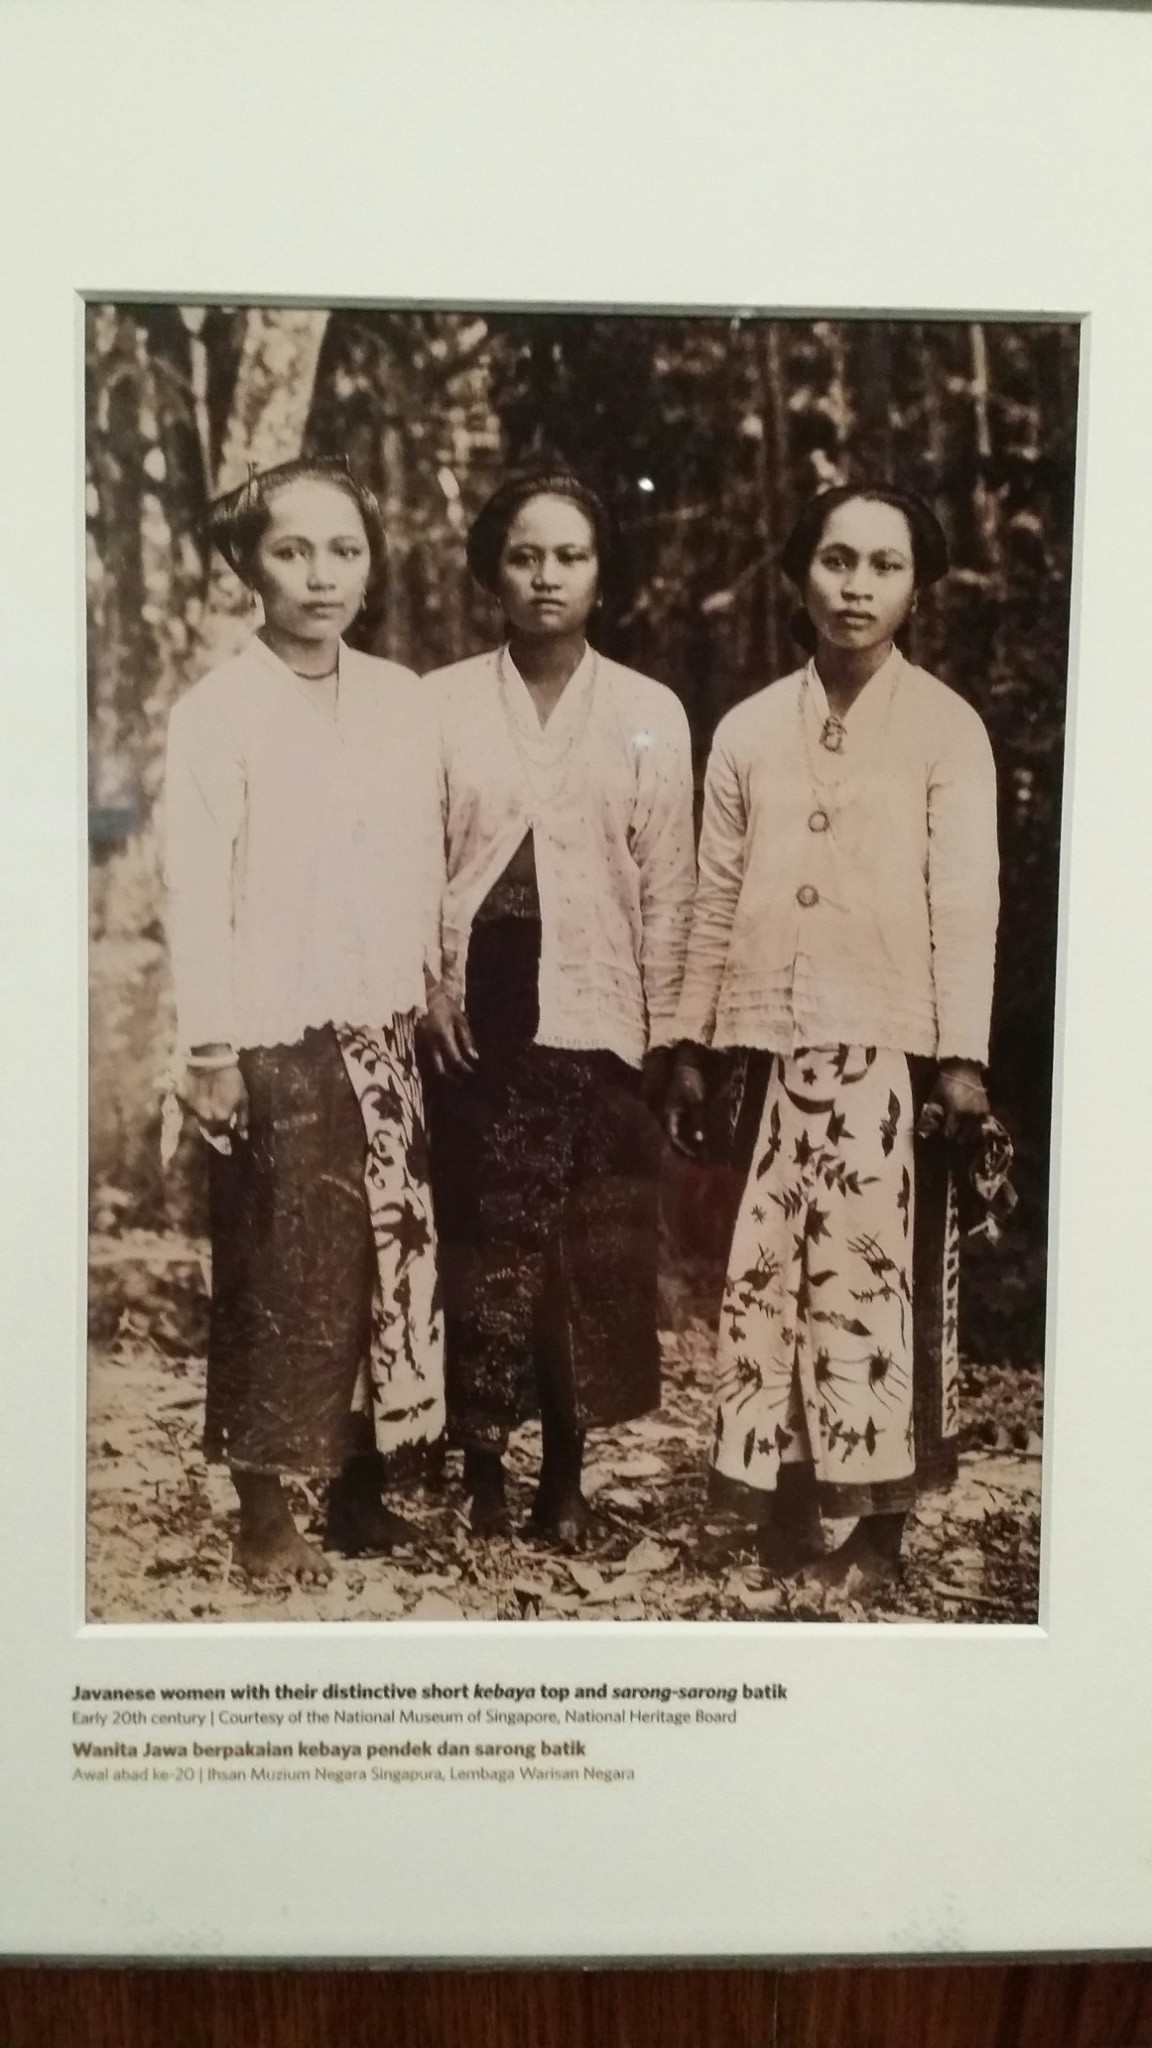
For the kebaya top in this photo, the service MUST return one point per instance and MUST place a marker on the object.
(303, 851)
(605, 789)
(848, 892)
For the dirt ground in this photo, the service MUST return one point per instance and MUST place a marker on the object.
(161, 1522)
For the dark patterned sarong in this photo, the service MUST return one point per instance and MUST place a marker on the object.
(935, 1302)
(323, 1283)
(545, 1170)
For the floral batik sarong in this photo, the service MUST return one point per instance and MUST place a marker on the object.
(815, 1348)
(323, 1258)
(404, 1377)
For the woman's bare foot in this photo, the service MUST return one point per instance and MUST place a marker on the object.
(784, 1549)
(434, 1471)
(561, 1515)
(560, 1512)
(871, 1552)
(415, 1468)
(484, 1483)
(270, 1545)
(358, 1522)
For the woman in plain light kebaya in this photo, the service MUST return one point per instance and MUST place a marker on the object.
(567, 803)
(303, 868)
(845, 925)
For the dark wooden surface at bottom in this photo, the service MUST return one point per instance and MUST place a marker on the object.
(1073, 2005)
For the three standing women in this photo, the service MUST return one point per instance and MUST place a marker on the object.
(845, 924)
(303, 863)
(567, 806)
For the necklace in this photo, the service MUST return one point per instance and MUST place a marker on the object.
(323, 692)
(302, 673)
(543, 758)
(827, 788)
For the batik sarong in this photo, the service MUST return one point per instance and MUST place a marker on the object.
(323, 1258)
(545, 1165)
(403, 1383)
(816, 1342)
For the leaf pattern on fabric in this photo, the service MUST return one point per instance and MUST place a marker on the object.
(950, 1345)
(405, 1380)
(851, 1325)
(890, 1124)
(815, 1352)
(772, 1146)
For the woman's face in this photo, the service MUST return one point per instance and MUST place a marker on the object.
(548, 572)
(861, 580)
(312, 565)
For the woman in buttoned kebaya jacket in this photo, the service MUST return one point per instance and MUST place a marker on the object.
(845, 925)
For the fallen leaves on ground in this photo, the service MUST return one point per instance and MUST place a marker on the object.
(162, 1522)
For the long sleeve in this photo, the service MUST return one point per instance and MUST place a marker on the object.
(606, 795)
(662, 847)
(204, 794)
(963, 888)
(436, 836)
(723, 852)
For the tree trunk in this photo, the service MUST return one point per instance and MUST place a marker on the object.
(150, 632)
(776, 481)
(270, 405)
(984, 498)
(873, 398)
(397, 634)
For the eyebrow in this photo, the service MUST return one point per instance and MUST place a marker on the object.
(277, 538)
(887, 547)
(540, 547)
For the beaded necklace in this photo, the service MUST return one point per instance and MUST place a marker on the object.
(545, 760)
(827, 789)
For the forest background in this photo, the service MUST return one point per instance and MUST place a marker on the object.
(705, 435)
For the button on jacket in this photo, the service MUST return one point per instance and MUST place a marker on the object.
(303, 849)
(848, 894)
(605, 788)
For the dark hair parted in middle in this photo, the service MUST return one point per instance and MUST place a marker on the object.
(238, 520)
(929, 546)
(489, 529)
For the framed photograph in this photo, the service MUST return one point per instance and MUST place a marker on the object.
(575, 998)
(672, 1304)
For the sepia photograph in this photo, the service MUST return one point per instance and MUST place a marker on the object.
(575, 810)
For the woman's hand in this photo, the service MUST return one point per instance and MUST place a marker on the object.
(959, 1095)
(684, 1104)
(217, 1099)
(447, 1034)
